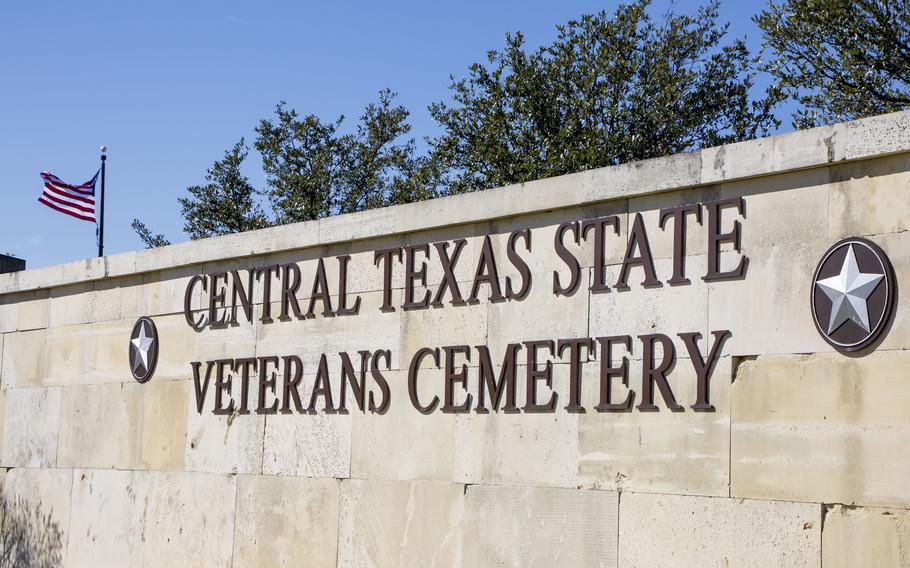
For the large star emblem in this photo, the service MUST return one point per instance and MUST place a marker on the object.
(143, 349)
(852, 294)
(848, 292)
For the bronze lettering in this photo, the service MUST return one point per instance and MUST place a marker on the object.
(534, 375)
(608, 371)
(293, 374)
(322, 387)
(266, 271)
(349, 378)
(343, 308)
(504, 387)
(217, 295)
(453, 377)
(449, 282)
(244, 365)
(196, 325)
(651, 374)
(520, 265)
(201, 389)
(383, 406)
(486, 273)
(638, 240)
(243, 294)
(704, 369)
(575, 347)
(412, 379)
(290, 283)
(717, 238)
(678, 215)
(223, 385)
(385, 256)
(413, 275)
(320, 293)
(267, 382)
(567, 257)
(600, 253)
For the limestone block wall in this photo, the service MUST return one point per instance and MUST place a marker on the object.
(802, 462)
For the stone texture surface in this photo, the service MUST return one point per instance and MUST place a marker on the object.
(47, 492)
(163, 424)
(31, 311)
(223, 443)
(645, 176)
(684, 452)
(188, 519)
(30, 425)
(711, 531)
(109, 506)
(520, 526)
(670, 309)
(790, 151)
(151, 519)
(23, 361)
(877, 135)
(519, 449)
(286, 522)
(124, 426)
(769, 312)
(867, 536)
(407, 524)
(314, 444)
(92, 353)
(423, 446)
(870, 197)
(552, 317)
(98, 426)
(370, 330)
(822, 428)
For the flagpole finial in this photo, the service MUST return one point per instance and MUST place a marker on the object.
(103, 149)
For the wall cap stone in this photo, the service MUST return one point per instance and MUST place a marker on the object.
(839, 143)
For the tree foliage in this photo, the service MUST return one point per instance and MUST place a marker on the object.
(609, 89)
(313, 170)
(148, 237)
(226, 203)
(839, 59)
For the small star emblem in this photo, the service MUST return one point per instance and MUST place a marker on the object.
(143, 349)
(852, 294)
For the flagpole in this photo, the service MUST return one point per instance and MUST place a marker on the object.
(101, 225)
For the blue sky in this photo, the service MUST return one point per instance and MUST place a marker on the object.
(169, 86)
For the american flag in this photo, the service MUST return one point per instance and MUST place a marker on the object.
(75, 200)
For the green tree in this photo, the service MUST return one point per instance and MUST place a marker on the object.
(226, 203)
(148, 237)
(609, 89)
(839, 59)
(313, 170)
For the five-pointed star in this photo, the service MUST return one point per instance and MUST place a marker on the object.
(142, 343)
(848, 292)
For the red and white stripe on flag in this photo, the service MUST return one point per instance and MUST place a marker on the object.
(75, 200)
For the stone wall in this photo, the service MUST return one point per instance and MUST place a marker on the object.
(801, 463)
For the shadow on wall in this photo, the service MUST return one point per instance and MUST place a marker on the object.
(28, 537)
